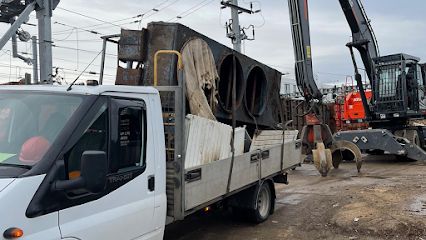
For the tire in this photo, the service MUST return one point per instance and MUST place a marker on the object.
(263, 204)
(413, 137)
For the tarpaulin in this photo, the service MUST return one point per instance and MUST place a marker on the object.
(200, 77)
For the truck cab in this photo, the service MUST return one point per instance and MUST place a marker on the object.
(81, 164)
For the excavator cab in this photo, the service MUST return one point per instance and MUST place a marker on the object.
(399, 87)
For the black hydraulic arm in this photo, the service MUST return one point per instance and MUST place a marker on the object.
(299, 20)
(364, 40)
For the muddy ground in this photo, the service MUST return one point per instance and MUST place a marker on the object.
(387, 200)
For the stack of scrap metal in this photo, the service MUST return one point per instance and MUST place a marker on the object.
(257, 102)
(208, 141)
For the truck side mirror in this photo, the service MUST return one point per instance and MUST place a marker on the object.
(93, 176)
(94, 170)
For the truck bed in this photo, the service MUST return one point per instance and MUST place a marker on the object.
(203, 183)
(247, 169)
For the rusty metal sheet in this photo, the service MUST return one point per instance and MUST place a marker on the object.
(131, 45)
(126, 76)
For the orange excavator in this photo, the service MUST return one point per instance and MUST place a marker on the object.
(397, 92)
(349, 113)
(353, 110)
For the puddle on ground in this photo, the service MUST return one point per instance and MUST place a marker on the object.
(418, 207)
(292, 199)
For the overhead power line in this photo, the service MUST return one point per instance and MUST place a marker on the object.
(64, 60)
(69, 48)
(153, 9)
(68, 36)
(69, 70)
(191, 10)
(82, 50)
(79, 28)
(156, 9)
(78, 40)
(90, 17)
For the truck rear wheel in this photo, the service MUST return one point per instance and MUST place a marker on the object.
(263, 204)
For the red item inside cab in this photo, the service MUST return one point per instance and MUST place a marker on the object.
(33, 149)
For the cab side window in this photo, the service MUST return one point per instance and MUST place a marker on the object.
(119, 130)
(95, 138)
(131, 137)
(128, 150)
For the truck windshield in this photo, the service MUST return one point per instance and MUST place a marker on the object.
(30, 123)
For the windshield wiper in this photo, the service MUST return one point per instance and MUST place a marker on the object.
(16, 165)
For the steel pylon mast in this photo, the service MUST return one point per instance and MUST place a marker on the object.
(17, 12)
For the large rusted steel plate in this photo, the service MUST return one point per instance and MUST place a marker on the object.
(131, 45)
(261, 109)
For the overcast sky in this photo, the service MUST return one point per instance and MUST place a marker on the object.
(400, 26)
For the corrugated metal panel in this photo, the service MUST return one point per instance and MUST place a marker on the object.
(209, 141)
(268, 138)
(240, 134)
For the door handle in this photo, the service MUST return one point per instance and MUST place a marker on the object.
(193, 175)
(151, 183)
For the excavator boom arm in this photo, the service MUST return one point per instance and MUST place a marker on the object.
(363, 37)
(299, 19)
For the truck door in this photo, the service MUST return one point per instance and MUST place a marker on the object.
(125, 209)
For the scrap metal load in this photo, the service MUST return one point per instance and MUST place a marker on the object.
(211, 64)
(220, 83)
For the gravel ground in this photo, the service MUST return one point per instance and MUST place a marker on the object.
(387, 200)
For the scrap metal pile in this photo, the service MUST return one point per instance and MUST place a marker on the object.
(221, 84)
(227, 93)
(257, 102)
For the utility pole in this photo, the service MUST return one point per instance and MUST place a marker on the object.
(44, 16)
(234, 30)
(236, 26)
(17, 13)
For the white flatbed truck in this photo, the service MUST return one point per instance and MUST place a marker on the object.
(107, 162)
